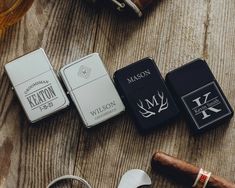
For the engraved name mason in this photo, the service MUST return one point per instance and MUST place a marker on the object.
(138, 76)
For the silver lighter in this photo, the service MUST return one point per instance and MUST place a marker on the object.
(36, 85)
(92, 90)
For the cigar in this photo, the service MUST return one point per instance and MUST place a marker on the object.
(184, 172)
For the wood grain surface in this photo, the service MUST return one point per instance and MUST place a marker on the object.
(173, 32)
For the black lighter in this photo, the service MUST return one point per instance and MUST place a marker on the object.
(199, 95)
(145, 95)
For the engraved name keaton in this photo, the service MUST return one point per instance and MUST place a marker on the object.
(41, 96)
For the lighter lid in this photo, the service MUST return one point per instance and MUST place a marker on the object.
(28, 66)
(36, 85)
(83, 71)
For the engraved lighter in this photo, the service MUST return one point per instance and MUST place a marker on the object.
(92, 90)
(199, 95)
(145, 95)
(36, 85)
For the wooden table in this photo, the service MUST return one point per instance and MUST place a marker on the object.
(173, 32)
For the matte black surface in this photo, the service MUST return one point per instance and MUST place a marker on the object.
(199, 95)
(145, 95)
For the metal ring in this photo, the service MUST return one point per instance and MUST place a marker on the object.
(136, 9)
(66, 177)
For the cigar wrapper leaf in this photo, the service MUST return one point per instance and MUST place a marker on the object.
(184, 172)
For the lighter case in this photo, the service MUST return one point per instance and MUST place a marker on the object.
(199, 95)
(145, 95)
(36, 85)
(91, 90)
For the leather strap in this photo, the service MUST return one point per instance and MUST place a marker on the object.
(137, 6)
(142, 4)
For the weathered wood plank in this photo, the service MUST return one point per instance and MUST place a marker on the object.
(173, 32)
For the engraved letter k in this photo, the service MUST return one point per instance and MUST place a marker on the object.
(205, 115)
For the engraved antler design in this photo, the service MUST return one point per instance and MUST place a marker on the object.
(164, 105)
(145, 113)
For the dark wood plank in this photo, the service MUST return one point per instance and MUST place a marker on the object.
(173, 32)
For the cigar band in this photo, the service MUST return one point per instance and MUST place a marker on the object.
(202, 179)
(69, 177)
